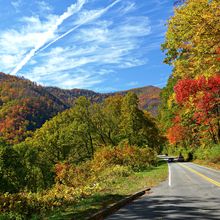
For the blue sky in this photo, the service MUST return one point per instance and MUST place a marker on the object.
(103, 45)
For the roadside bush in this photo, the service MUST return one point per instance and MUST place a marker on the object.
(25, 205)
(114, 172)
(108, 164)
(135, 157)
(210, 153)
(74, 182)
(73, 175)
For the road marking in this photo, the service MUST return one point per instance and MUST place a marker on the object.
(169, 174)
(201, 175)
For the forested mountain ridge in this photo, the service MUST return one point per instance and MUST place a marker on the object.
(68, 96)
(25, 106)
(149, 96)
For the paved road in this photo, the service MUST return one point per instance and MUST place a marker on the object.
(191, 191)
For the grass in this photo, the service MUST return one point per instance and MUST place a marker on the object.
(209, 156)
(117, 190)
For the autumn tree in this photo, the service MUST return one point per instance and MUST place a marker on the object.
(202, 97)
(192, 39)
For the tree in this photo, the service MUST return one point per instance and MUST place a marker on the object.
(192, 39)
(199, 104)
(138, 127)
(131, 118)
(106, 118)
(168, 106)
(12, 173)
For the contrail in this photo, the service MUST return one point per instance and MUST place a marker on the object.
(72, 9)
(87, 20)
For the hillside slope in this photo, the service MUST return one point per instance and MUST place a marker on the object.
(25, 106)
(149, 96)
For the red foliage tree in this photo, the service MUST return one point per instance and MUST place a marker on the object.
(176, 134)
(204, 95)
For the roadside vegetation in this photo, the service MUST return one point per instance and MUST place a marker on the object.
(86, 152)
(208, 156)
(190, 110)
(117, 185)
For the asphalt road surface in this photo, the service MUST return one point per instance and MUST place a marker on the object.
(191, 191)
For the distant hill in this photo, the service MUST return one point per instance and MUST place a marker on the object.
(25, 106)
(69, 96)
(149, 96)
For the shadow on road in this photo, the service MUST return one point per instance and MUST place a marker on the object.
(160, 207)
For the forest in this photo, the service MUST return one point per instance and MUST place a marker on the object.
(56, 151)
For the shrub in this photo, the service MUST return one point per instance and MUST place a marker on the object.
(135, 157)
(73, 175)
(209, 153)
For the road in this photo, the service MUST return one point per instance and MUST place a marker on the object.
(191, 191)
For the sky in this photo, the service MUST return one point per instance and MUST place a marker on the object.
(102, 45)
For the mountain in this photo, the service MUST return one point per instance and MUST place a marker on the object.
(149, 96)
(25, 105)
(69, 96)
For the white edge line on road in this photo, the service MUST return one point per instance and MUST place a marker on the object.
(169, 168)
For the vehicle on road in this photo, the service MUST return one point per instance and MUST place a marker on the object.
(170, 159)
(180, 158)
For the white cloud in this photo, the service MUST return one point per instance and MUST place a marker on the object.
(44, 7)
(127, 7)
(16, 4)
(99, 44)
(49, 34)
(134, 83)
(30, 34)
(84, 18)
(86, 57)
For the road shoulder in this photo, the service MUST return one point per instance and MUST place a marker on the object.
(214, 166)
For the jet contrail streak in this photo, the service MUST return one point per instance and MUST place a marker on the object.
(89, 19)
(72, 9)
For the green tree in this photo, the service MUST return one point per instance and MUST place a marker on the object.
(12, 173)
(138, 127)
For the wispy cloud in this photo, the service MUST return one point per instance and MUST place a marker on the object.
(126, 7)
(96, 47)
(86, 18)
(14, 43)
(16, 4)
(134, 83)
(44, 7)
(45, 37)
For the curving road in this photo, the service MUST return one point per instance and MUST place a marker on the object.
(191, 191)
